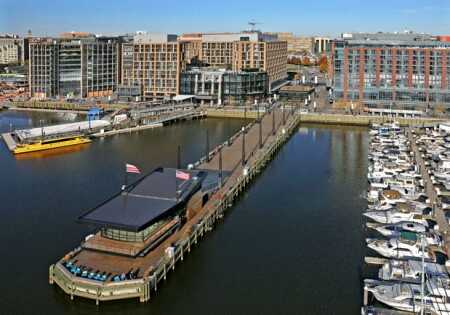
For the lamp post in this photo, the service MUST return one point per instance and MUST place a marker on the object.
(207, 146)
(260, 129)
(243, 146)
(284, 117)
(220, 167)
(273, 120)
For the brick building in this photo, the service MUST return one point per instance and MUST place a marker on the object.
(403, 70)
(239, 51)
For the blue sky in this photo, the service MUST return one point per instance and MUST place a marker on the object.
(321, 17)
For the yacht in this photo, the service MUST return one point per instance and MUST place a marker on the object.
(397, 248)
(395, 216)
(391, 230)
(410, 270)
(408, 297)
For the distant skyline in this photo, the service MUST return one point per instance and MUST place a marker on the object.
(327, 18)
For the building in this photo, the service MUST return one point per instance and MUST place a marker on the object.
(239, 51)
(12, 49)
(404, 70)
(296, 94)
(153, 63)
(296, 44)
(73, 67)
(220, 86)
(321, 45)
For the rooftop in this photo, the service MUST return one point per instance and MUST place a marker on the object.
(150, 199)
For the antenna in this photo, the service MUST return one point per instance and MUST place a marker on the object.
(252, 24)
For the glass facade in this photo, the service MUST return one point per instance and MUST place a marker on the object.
(128, 236)
(85, 67)
(224, 85)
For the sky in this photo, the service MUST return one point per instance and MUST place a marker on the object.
(311, 17)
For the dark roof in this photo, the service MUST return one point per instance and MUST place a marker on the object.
(149, 200)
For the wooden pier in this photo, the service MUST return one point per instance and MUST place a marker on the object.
(260, 142)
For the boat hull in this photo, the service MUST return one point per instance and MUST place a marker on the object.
(41, 146)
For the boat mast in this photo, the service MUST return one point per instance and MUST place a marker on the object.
(422, 289)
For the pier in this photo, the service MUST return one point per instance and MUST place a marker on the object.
(237, 162)
(159, 120)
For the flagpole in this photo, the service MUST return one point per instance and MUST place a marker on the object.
(176, 188)
(125, 178)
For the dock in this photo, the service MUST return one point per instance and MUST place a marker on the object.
(157, 121)
(331, 118)
(438, 212)
(9, 140)
(242, 158)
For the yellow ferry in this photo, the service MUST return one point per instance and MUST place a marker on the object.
(50, 144)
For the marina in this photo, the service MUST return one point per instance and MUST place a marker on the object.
(407, 183)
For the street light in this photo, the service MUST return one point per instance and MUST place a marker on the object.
(260, 129)
(243, 146)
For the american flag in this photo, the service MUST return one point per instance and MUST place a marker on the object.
(132, 169)
(182, 175)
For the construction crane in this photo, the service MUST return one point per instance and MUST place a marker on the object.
(252, 24)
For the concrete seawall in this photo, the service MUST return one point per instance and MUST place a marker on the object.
(332, 119)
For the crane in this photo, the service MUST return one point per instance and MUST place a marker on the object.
(252, 24)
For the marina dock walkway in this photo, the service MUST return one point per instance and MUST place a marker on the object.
(431, 192)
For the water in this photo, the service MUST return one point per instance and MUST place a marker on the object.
(292, 244)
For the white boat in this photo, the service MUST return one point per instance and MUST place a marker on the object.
(410, 270)
(397, 248)
(395, 216)
(395, 229)
(408, 297)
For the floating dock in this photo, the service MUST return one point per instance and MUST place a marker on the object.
(241, 159)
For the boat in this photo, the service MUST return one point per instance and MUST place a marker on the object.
(397, 248)
(50, 144)
(395, 216)
(408, 297)
(391, 230)
(410, 270)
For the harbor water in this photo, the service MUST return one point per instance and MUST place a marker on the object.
(292, 244)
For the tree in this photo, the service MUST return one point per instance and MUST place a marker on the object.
(323, 64)
(306, 61)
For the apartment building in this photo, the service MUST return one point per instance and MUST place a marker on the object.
(152, 62)
(73, 67)
(400, 70)
(240, 51)
(296, 44)
(12, 49)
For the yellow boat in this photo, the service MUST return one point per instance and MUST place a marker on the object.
(50, 144)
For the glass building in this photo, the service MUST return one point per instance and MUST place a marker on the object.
(73, 67)
(223, 86)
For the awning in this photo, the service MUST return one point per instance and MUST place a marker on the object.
(180, 98)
